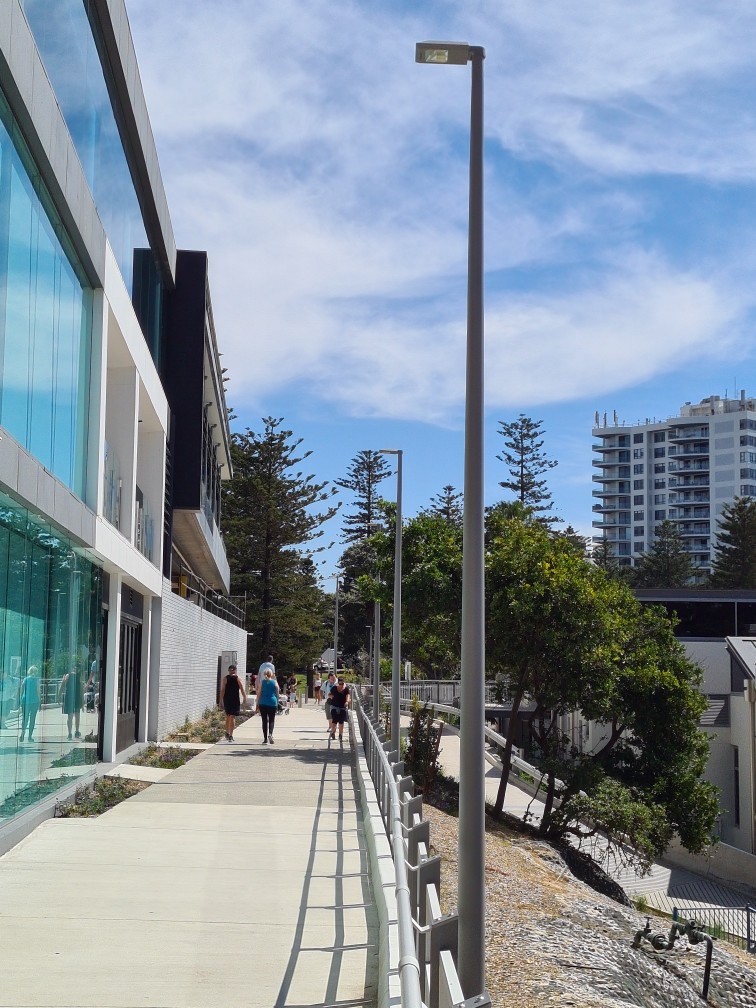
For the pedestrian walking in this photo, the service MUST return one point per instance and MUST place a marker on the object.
(329, 685)
(232, 696)
(267, 704)
(266, 665)
(317, 682)
(340, 701)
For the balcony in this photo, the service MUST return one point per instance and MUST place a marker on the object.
(689, 433)
(689, 481)
(689, 497)
(688, 451)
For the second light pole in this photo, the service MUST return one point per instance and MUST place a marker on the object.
(396, 634)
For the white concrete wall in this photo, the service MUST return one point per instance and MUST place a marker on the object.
(191, 641)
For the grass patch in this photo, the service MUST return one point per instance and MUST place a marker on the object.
(208, 729)
(105, 793)
(163, 757)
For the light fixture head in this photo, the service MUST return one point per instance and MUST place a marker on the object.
(389, 451)
(457, 53)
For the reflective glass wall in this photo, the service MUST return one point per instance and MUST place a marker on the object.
(45, 320)
(50, 660)
(64, 38)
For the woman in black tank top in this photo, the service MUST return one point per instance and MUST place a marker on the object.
(232, 693)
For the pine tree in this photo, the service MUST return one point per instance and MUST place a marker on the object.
(735, 552)
(526, 463)
(271, 522)
(366, 470)
(666, 564)
(448, 504)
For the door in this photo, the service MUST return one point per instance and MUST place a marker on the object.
(129, 669)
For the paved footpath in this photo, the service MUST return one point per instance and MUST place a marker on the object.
(240, 880)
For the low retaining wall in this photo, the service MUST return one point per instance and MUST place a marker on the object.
(724, 863)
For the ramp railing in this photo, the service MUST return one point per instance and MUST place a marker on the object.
(428, 938)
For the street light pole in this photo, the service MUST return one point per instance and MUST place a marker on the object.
(472, 795)
(377, 660)
(336, 630)
(396, 634)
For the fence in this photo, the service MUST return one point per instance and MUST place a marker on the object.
(736, 925)
(437, 691)
(428, 938)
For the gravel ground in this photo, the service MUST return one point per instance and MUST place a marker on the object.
(551, 939)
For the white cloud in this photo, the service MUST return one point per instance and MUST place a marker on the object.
(326, 175)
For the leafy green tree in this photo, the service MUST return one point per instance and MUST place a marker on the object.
(603, 557)
(527, 462)
(666, 564)
(431, 588)
(366, 471)
(735, 551)
(565, 637)
(273, 517)
(448, 504)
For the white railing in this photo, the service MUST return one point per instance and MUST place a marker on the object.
(428, 938)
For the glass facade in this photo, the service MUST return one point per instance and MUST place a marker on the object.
(45, 320)
(64, 38)
(51, 627)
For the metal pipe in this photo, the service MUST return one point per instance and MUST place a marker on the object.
(336, 631)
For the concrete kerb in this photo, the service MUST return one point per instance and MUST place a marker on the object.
(382, 876)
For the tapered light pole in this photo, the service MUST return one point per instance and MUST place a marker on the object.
(336, 630)
(472, 795)
(377, 660)
(396, 634)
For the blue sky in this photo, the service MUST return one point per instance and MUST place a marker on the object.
(326, 174)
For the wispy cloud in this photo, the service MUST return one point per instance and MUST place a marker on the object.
(326, 175)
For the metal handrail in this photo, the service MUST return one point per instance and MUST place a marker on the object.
(409, 965)
(427, 937)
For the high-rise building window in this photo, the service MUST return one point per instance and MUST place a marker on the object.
(639, 499)
(638, 468)
(637, 453)
(639, 546)
(637, 439)
(638, 484)
(660, 467)
(660, 484)
(660, 498)
(639, 530)
(660, 435)
(659, 452)
(639, 515)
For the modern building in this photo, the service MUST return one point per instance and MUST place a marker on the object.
(683, 469)
(115, 618)
(718, 631)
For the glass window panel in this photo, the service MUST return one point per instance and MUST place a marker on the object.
(45, 320)
(50, 628)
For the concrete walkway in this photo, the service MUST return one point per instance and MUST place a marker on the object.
(239, 880)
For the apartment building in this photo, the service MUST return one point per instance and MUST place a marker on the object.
(683, 469)
(115, 617)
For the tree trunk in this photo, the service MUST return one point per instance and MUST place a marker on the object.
(507, 757)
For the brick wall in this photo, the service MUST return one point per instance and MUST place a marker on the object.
(191, 642)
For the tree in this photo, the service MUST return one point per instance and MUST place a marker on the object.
(526, 463)
(565, 637)
(431, 588)
(272, 517)
(735, 551)
(579, 542)
(666, 564)
(448, 504)
(366, 470)
(603, 557)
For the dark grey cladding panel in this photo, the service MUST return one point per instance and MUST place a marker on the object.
(28, 91)
(116, 37)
